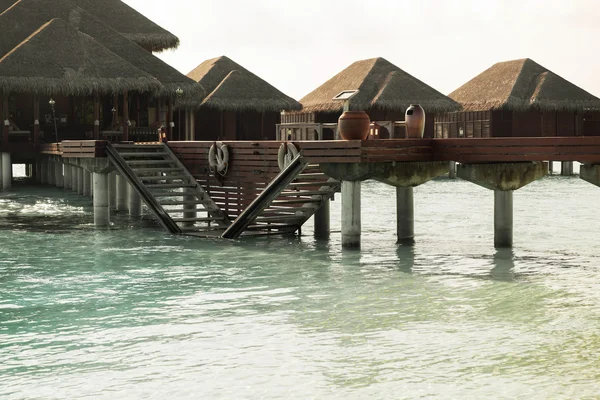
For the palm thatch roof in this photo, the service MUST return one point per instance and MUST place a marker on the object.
(125, 20)
(77, 65)
(522, 85)
(381, 85)
(231, 87)
(27, 16)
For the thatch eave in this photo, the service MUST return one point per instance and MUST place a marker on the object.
(156, 42)
(74, 87)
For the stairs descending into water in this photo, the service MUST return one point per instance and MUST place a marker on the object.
(293, 196)
(169, 190)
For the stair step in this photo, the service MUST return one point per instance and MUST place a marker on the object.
(271, 226)
(295, 201)
(144, 170)
(179, 202)
(170, 185)
(280, 218)
(163, 177)
(313, 183)
(208, 219)
(288, 209)
(304, 193)
(149, 162)
(144, 154)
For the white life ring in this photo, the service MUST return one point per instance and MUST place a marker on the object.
(287, 152)
(218, 158)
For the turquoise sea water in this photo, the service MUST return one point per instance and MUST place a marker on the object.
(132, 312)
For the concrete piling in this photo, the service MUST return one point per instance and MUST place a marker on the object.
(6, 171)
(101, 200)
(58, 174)
(67, 179)
(503, 218)
(452, 169)
(405, 215)
(135, 203)
(80, 180)
(122, 193)
(322, 220)
(566, 168)
(351, 222)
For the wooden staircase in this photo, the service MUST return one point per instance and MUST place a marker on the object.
(286, 203)
(169, 190)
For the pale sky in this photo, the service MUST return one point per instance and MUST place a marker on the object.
(298, 45)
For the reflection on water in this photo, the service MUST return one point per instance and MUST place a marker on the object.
(135, 313)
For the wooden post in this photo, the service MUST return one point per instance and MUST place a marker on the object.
(125, 116)
(36, 118)
(96, 117)
(170, 119)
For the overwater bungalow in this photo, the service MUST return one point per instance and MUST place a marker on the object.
(123, 19)
(384, 92)
(127, 113)
(238, 106)
(520, 98)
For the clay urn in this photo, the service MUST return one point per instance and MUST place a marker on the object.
(415, 121)
(354, 125)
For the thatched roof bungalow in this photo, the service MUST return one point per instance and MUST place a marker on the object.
(125, 20)
(518, 98)
(239, 105)
(385, 92)
(25, 17)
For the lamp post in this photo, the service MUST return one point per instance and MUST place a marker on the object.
(178, 94)
(52, 103)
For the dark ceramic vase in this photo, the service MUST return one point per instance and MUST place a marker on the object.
(415, 121)
(354, 125)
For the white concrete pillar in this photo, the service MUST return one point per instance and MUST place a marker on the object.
(323, 220)
(503, 218)
(351, 225)
(566, 168)
(6, 171)
(68, 179)
(405, 215)
(122, 194)
(452, 169)
(58, 174)
(135, 203)
(87, 183)
(550, 167)
(101, 200)
(112, 190)
(189, 210)
(80, 173)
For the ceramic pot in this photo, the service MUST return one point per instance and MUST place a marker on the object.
(354, 125)
(415, 121)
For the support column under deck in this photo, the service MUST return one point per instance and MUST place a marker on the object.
(58, 174)
(6, 171)
(135, 202)
(112, 190)
(189, 210)
(452, 169)
(87, 183)
(323, 220)
(38, 170)
(101, 200)
(50, 172)
(43, 170)
(80, 173)
(566, 168)
(68, 179)
(503, 218)
(122, 194)
(351, 223)
(74, 179)
(405, 215)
